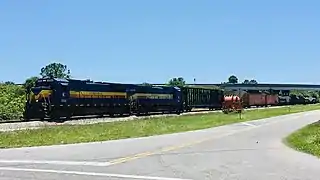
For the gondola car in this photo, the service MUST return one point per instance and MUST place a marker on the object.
(195, 97)
(297, 99)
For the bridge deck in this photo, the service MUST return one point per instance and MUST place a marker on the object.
(263, 86)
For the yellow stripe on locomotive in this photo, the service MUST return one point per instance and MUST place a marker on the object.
(41, 94)
(151, 96)
(97, 94)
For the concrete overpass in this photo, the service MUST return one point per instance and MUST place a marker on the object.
(283, 87)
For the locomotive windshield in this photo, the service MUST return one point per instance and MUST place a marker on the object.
(43, 83)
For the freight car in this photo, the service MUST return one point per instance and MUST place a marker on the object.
(284, 100)
(195, 97)
(232, 104)
(259, 99)
(56, 98)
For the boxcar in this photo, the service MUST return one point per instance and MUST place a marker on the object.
(145, 99)
(272, 99)
(194, 97)
(253, 99)
(259, 99)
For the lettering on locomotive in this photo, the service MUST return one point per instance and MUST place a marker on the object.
(97, 94)
(151, 96)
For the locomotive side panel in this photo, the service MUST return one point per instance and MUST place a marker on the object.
(145, 99)
(87, 98)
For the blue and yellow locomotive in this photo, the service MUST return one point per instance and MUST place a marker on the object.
(53, 98)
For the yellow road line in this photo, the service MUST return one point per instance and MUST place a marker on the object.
(180, 146)
(150, 153)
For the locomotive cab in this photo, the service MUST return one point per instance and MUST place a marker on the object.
(41, 98)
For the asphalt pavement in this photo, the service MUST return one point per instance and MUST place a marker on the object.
(243, 151)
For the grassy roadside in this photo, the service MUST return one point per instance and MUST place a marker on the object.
(306, 139)
(67, 134)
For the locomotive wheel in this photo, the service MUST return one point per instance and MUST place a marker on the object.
(178, 112)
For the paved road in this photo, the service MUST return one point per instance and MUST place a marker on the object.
(244, 151)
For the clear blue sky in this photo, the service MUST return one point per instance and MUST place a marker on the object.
(151, 41)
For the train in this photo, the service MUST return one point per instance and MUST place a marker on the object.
(54, 98)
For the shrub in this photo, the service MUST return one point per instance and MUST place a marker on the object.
(12, 98)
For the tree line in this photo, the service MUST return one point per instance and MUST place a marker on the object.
(59, 70)
(12, 97)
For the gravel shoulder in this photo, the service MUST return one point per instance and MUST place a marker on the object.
(12, 126)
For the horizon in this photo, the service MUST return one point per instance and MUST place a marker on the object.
(187, 83)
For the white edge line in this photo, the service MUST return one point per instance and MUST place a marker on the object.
(83, 163)
(248, 124)
(88, 173)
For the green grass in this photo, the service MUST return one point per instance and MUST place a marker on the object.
(66, 134)
(306, 139)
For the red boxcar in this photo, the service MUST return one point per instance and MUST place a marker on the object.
(259, 99)
(272, 99)
(256, 99)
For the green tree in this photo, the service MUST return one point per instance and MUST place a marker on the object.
(233, 79)
(177, 82)
(253, 81)
(246, 81)
(9, 83)
(12, 99)
(55, 70)
(146, 84)
(30, 82)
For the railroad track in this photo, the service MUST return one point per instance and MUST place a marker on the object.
(22, 125)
